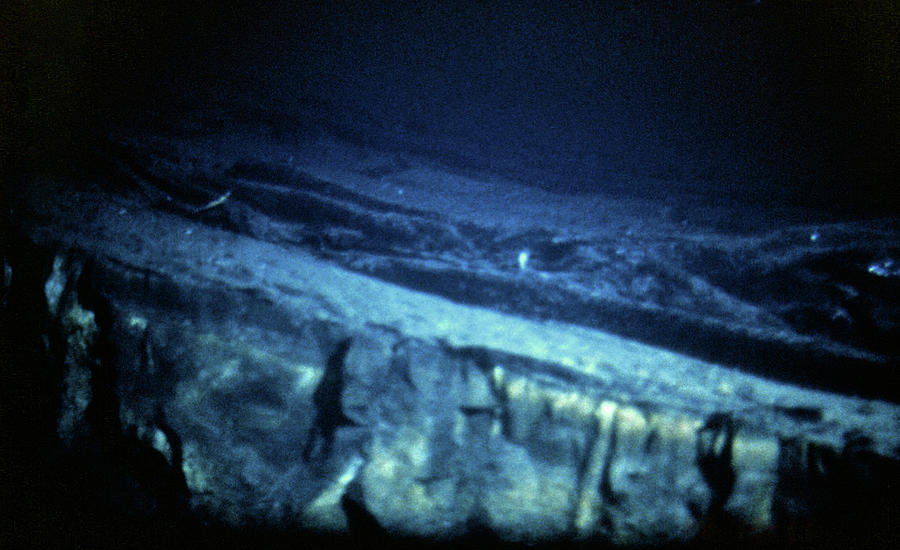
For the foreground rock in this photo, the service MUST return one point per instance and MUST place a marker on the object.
(264, 387)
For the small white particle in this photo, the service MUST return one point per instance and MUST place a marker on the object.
(523, 259)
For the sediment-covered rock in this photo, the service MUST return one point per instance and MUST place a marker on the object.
(281, 390)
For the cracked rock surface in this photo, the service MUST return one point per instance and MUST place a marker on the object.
(291, 385)
(296, 278)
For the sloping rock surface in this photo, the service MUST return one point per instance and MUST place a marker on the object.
(252, 350)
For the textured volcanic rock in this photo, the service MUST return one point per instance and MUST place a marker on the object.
(223, 379)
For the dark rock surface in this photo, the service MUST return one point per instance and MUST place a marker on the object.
(250, 363)
(502, 277)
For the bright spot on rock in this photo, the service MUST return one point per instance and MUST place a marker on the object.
(523, 259)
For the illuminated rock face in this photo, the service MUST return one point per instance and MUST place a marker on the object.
(286, 392)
